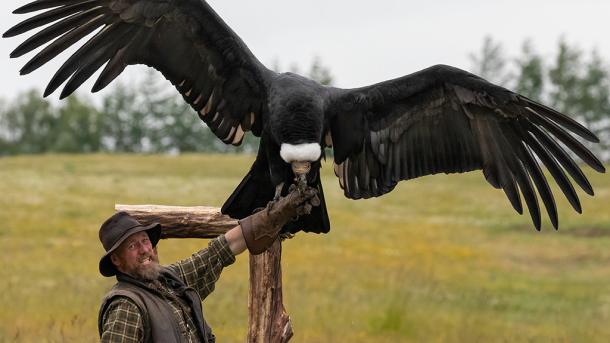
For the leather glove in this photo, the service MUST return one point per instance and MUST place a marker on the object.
(262, 228)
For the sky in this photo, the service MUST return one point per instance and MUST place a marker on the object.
(364, 42)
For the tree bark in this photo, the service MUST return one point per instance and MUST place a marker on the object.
(268, 320)
(182, 222)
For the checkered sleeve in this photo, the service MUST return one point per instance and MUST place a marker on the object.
(203, 268)
(122, 323)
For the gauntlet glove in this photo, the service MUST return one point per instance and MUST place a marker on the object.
(262, 228)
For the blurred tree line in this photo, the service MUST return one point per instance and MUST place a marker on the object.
(148, 118)
(152, 118)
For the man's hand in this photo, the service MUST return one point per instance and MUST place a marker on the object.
(262, 228)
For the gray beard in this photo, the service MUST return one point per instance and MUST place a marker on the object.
(148, 273)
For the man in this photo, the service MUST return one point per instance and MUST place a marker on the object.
(151, 303)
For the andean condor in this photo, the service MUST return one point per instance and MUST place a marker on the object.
(438, 120)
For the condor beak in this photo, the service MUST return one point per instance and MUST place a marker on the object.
(300, 170)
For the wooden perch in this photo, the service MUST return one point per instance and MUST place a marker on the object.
(268, 320)
(182, 222)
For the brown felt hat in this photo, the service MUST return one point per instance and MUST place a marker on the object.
(115, 230)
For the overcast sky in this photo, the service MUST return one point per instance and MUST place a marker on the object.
(364, 42)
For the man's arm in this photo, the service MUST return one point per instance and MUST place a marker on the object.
(203, 268)
(236, 240)
(256, 233)
(122, 323)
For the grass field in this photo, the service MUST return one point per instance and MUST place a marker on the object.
(441, 259)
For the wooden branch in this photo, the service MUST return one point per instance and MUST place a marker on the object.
(182, 222)
(268, 320)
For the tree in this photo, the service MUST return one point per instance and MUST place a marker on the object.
(490, 62)
(582, 89)
(317, 71)
(172, 125)
(565, 79)
(530, 73)
(124, 125)
(593, 92)
(79, 127)
(5, 134)
(28, 125)
(320, 73)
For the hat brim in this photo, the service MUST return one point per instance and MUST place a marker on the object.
(107, 268)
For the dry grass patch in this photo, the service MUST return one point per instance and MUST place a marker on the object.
(440, 259)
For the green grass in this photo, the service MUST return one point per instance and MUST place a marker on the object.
(440, 259)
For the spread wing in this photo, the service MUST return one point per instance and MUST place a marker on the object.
(445, 120)
(185, 40)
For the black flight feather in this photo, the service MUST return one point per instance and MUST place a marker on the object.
(555, 170)
(41, 5)
(61, 43)
(563, 157)
(577, 147)
(100, 40)
(564, 121)
(534, 170)
(49, 17)
(521, 176)
(54, 31)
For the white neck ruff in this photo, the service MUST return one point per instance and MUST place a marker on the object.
(300, 152)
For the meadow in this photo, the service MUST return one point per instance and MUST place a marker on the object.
(440, 259)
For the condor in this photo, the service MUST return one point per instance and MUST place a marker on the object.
(438, 120)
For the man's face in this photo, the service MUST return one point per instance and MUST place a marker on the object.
(137, 257)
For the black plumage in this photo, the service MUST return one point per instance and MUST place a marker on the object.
(438, 120)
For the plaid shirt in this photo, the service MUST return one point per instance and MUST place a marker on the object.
(122, 322)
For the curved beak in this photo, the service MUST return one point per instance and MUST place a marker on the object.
(300, 170)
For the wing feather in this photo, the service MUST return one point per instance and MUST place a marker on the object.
(41, 5)
(537, 175)
(56, 30)
(562, 120)
(51, 16)
(119, 61)
(62, 43)
(577, 147)
(186, 41)
(94, 45)
(444, 120)
(555, 170)
(529, 194)
(562, 156)
(503, 165)
(89, 64)
(523, 176)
